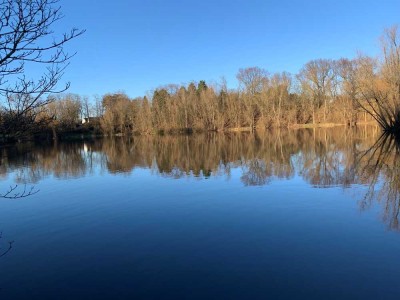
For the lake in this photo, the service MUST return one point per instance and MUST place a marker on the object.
(302, 214)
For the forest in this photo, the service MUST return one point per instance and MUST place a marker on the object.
(325, 92)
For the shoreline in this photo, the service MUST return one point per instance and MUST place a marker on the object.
(71, 135)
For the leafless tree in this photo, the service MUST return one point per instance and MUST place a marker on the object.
(86, 107)
(26, 38)
(379, 83)
(253, 79)
(315, 78)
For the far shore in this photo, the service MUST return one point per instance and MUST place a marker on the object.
(88, 134)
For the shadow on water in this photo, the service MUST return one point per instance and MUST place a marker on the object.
(323, 158)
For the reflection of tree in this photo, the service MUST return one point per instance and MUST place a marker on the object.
(324, 157)
(256, 172)
(330, 159)
(322, 169)
(15, 193)
(380, 165)
(4, 251)
(31, 162)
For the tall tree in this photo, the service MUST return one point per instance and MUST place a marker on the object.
(315, 78)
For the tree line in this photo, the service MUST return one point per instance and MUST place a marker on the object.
(325, 91)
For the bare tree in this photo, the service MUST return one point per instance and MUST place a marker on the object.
(86, 108)
(280, 90)
(379, 83)
(98, 106)
(315, 78)
(345, 70)
(253, 79)
(25, 39)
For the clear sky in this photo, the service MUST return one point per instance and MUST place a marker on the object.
(135, 46)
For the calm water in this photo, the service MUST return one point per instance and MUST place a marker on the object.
(290, 215)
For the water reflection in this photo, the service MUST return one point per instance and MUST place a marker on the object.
(323, 158)
(379, 166)
(4, 250)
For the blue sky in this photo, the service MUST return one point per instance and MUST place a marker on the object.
(136, 46)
